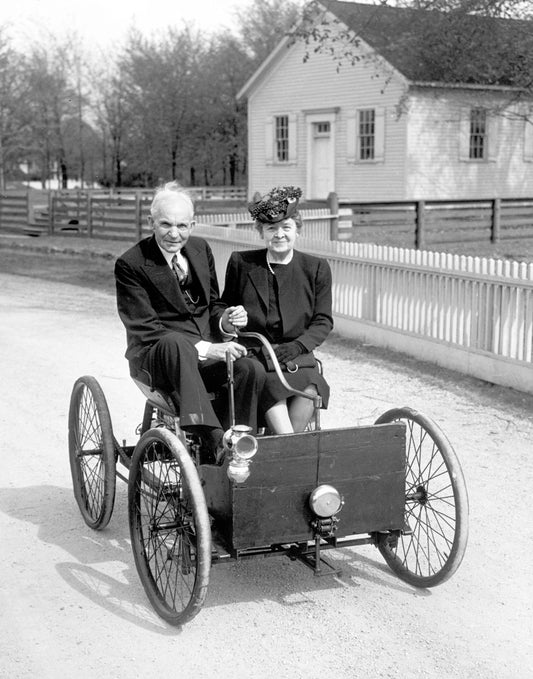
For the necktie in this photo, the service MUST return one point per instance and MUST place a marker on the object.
(180, 272)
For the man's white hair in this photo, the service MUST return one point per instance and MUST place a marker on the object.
(170, 190)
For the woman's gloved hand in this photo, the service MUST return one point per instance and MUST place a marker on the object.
(286, 352)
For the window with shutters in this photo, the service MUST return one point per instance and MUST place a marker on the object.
(365, 135)
(282, 138)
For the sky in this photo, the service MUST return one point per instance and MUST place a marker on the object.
(105, 22)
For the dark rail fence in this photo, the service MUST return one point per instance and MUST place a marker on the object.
(123, 215)
(426, 224)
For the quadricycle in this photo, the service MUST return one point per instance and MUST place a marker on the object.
(396, 484)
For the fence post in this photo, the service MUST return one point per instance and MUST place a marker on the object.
(138, 215)
(89, 215)
(496, 221)
(420, 225)
(333, 207)
(51, 211)
(28, 211)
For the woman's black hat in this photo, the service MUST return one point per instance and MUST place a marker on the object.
(279, 204)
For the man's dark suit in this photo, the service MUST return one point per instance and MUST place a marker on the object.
(162, 330)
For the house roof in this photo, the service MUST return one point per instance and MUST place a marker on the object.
(431, 48)
(397, 34)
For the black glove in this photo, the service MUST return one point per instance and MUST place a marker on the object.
(286, 352)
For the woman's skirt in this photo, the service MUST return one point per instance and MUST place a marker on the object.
(274, 391)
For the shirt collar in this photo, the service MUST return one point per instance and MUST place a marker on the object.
(182, 260)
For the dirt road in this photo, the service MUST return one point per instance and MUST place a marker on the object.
(70, 600)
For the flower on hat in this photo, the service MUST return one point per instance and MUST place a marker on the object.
(280, 203)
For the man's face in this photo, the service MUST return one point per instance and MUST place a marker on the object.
(172, 222)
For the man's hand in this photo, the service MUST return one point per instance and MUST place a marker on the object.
(234, 317)
(218, 351)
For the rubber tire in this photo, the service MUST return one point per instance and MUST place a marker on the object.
(437, 517)
(176, 582)
(91, 452)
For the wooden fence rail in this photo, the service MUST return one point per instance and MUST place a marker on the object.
(428, 224)
(421, 225)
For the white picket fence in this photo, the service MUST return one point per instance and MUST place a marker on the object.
(470, 314)
(316, 222)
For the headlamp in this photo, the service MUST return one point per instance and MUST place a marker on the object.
(325, 501)
(243, 446)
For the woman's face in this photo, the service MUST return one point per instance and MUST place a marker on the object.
(280, 238)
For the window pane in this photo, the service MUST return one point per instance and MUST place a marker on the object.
(478, 133)
(282, 138)
(322, 129)
(367, 134)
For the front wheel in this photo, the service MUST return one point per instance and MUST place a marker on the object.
(169, 526)
(91, 452)
(431, 547)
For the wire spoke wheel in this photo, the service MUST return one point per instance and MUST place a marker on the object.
(432, 545)
(92, 452)
(169, 526)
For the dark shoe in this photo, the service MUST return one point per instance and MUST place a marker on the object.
(210, 445)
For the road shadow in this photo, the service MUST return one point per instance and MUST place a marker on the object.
(102, 567)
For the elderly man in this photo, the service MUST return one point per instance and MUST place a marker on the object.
(178, 330)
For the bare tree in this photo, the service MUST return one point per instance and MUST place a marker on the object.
(14, 119)
(111, 115)
(53, 101)
(264, 24)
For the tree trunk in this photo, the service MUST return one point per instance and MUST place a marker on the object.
(232, 169)
(2, 168)
(174, 164)
(118, 170)
(64, 173)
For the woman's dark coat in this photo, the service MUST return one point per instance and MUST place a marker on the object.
(304, 301)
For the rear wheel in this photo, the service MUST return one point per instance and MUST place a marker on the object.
(431, 547)
(169, 526)
(91, 452)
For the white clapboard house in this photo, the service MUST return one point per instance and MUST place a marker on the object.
(379, 130)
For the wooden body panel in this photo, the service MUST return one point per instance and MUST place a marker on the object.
(365, 464)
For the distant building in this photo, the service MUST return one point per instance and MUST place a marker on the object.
(378, 130)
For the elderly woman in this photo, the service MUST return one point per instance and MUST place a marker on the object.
(287, 295)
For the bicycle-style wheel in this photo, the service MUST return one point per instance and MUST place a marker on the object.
(169, 526)
(431, 547)
(91, 452)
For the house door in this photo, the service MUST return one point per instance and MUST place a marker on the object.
(321, 178)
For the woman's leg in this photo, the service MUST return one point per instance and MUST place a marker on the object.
(301, 409)
(278, 420)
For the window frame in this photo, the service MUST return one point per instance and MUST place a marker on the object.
(356, 141)
(491, 135)
(366, 134)
(281, 138)
(289, 142)
(478, 134)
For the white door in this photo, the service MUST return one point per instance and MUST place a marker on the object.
(321, 154)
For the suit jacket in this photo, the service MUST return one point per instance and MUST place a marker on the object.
(150, 302)
(305, 302)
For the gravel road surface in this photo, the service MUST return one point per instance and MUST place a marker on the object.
(71, 604)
